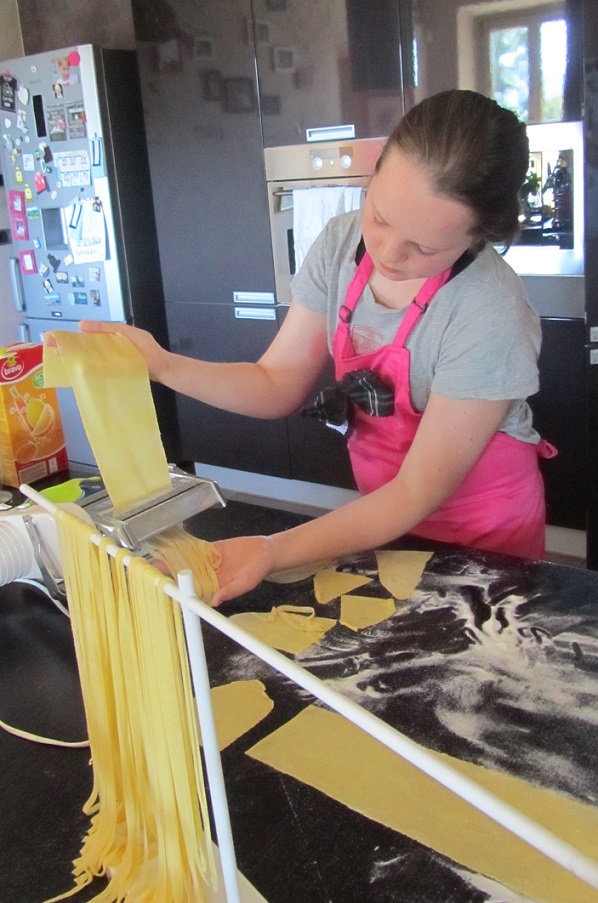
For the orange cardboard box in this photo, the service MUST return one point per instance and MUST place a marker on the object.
(31, 437)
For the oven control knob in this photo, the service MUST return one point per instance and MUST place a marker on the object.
(346, 161)
(317, 163)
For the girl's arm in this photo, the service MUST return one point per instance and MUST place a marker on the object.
(274, 386)
(451, 437)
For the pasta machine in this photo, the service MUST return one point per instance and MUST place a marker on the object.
(29, 544)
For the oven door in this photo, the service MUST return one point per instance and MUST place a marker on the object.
(280, 202)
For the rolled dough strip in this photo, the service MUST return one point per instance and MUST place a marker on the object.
(327, 752)
(103, 368)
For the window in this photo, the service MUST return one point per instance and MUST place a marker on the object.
(522, 60)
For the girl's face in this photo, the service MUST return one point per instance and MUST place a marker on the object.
(409, 231)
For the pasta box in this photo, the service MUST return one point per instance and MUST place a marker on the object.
(32, 442)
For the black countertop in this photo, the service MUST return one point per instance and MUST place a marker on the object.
(529, 628)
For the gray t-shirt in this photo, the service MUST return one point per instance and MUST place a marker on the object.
(479, 339)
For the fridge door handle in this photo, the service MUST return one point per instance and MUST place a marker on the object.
(16, 282)
(24, 332)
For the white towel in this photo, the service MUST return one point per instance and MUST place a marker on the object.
(313, 207)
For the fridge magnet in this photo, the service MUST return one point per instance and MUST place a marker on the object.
(16, 202)
(62, 277)
(94, 274)
(48, 287)
(53, 261)
(28, 192)
(41, 183)
(27, 262)
(66, 69)
(28, 162)
(53, 300)
(239, 95)
(22, 121)
(75, 113)
(19, 229)
(78, 297)
(94, 298)
(283, 59)
(58, 91)
(212, 84)
(18, 174)
(44, 270)
(56, 123)
(8, 93)
(23, 95)
(68, 260)
(270, 104)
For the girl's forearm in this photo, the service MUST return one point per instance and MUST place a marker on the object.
(242, 388)
(366, 523)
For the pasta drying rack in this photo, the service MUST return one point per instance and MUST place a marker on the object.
(194, 611)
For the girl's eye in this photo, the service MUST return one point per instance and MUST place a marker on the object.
(425, 253)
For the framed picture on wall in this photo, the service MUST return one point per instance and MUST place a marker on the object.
(238, 95)
(212, 84)
(203, 47)
(270, 104)
(283, 59)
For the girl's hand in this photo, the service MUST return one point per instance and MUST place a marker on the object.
(245, 563)
(155, 356)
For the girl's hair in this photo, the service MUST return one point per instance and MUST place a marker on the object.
(477, 153)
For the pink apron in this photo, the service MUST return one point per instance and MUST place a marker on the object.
(500, 504)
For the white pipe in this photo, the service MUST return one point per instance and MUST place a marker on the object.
(201, 683)
(561, 852)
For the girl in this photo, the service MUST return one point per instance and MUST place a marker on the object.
(411, 294)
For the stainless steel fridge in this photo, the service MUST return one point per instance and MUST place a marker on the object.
(77, 180)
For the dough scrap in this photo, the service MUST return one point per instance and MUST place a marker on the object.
(238, 706)
(325, 751)
(400, 571)
(290, 628)
(330, 584)
(358, 612)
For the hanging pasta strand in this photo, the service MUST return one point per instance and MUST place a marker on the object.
(149, 827)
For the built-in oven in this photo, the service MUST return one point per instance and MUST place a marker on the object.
(318, 454)
(302, 168)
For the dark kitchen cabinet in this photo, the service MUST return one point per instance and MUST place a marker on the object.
(211, 332)
(559, 416)
(198, 77)
(328, 64)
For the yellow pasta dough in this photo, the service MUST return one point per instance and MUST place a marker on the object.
(330, 584)
(149, 820)
(238, 706)
(327, 752)
(358, 612)
(111, 386)
(289, 628)
(400, 571)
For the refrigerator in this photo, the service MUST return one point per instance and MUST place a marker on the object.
(77, 183)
